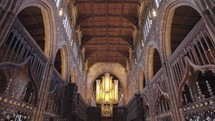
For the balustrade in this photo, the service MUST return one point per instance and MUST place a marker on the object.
(163, 111)
(14, 109)
(54, 100)
(94, 114)
(81, 109)
(119, 113)
(198, 46)
(19, 46)
(197, 95)
(198, 98)
(162, 105)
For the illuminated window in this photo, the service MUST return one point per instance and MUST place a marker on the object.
(67, 25)
(147, 25)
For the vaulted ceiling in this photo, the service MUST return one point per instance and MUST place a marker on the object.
(107, 28)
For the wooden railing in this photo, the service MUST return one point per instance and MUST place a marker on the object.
(69, 102)
(198, 100)
(18, 46)
(74, 107)
(197, 96)
(81, 109)
(158, 76)
(198, 46)
(162, 106)
(55, 96)
(56, 80)
(13, 109)
(134, 109)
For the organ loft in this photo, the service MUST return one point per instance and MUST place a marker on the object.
(107, 60)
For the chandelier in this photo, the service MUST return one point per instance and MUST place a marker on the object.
(107, 94)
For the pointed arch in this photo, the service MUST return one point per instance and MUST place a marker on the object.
(46, 24)
(61, 62)
(174, 13)
(153, 61)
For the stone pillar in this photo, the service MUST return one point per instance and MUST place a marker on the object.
(173, 92)
(207, 11)
(43, 92)
(8, 11)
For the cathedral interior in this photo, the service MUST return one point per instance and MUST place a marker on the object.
(107, 60)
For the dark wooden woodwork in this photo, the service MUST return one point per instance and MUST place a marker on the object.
(74, 107)
(94, 114)
(119, 113)
(70, 98)
(81, 109)
(134, 109)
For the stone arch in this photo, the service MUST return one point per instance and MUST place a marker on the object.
(166, 27)
(74, 75)
(3, 81)
(61, 61)
(7, 17)
(153, 61)
(141, 79)
(49, 24)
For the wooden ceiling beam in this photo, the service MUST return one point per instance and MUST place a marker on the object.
(86, 39)
(108, 26)
(123, 53)
(137, 2)
(101, 44)
(133, 20)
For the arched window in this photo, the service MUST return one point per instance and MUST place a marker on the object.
(184, 19)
